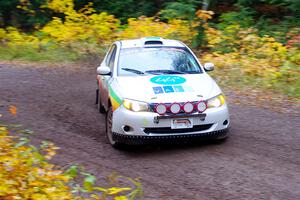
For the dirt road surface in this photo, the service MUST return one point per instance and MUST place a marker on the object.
(260, 160)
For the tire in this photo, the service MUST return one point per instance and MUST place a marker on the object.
(109, 134)
(100, 107)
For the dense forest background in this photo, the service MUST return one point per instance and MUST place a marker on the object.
(273, 11)
(252, 42)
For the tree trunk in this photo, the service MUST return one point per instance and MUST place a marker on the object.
(205, 4)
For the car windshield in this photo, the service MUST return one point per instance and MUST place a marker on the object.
(157, 60)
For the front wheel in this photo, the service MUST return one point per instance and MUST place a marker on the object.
(100, 107)
(109, 134)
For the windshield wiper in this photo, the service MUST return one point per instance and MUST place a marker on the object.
(133, 70)
(164, 71)
(192, 72)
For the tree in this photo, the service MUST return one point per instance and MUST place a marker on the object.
(23, 14)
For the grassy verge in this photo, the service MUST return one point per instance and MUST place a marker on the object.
(234, 78)
(24, 53)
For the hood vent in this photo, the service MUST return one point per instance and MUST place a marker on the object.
(153, 42)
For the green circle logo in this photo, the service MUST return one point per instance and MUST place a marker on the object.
(167, 80)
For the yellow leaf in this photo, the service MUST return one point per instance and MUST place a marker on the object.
(121, 198)
(13, 110)
(114, 190)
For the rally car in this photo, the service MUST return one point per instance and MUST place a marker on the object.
(154, 89)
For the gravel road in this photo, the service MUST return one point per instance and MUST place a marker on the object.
(260, 160)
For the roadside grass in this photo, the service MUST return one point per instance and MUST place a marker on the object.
(235, 79)
(25, 53)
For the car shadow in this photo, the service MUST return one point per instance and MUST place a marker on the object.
(169, 146)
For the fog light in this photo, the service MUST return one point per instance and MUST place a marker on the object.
(161, 109)
(126, 128)
(175, 108)
(188, 107)
(201, 106)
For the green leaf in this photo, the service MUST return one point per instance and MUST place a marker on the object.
(72, 171)
(89, 182)
(22, 142)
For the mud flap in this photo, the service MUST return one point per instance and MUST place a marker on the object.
(97, 96)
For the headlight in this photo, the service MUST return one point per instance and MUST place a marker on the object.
(216, 101)
(136, 106)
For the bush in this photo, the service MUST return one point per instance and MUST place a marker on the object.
(149, 26)
(26, 173)
(260, 59)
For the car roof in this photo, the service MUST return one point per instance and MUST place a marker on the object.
(150, 41)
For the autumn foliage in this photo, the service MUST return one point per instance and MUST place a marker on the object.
(232, 44)
(26, 173)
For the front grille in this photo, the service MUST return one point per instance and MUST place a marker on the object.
(168, 130)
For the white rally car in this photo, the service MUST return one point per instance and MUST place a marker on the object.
(155, 89)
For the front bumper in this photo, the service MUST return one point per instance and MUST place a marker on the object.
(151, 126)
(138, 140)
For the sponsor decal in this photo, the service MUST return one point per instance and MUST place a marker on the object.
(188, 89)
(116, 101)
(145, 122)
(178, 88)
(171, 88)
(168, 89)
(167, 80)
(158, 90)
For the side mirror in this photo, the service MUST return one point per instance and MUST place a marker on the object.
(103, 70)
(209, 66)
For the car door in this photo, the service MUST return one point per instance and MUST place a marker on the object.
(106, 80)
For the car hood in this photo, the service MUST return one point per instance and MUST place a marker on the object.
(168, 88)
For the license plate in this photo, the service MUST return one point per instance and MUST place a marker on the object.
(181, 123)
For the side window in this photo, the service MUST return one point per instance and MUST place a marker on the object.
(112, 58)
(109, 55)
